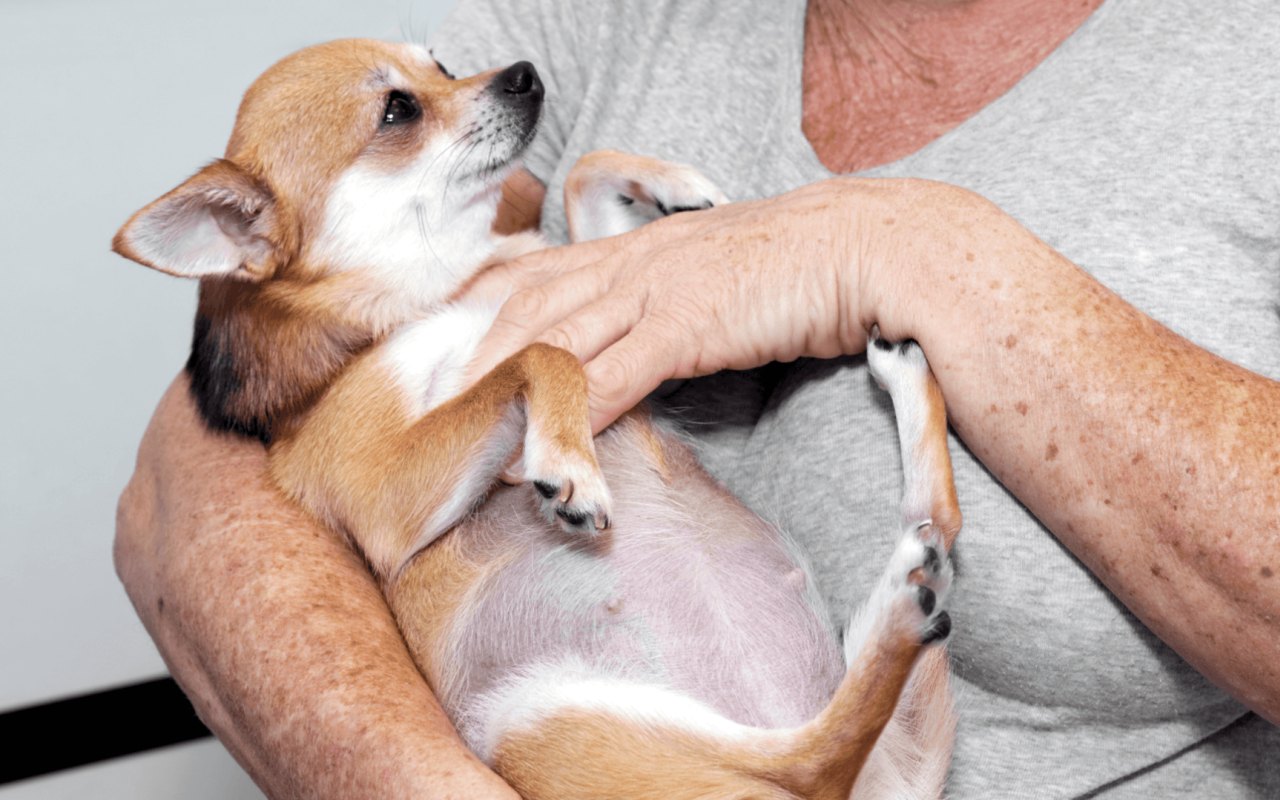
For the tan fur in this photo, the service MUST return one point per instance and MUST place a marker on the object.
(579, 754)
(655, 450)
(287, 112)
(932, 450)
(299, 349)
(360, 458)
(430, 590)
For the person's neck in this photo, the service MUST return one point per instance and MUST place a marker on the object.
(883, 78)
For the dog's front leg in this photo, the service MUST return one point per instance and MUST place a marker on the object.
(374, 461)
(608, 193)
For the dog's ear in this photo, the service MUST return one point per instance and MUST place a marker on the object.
(220, 222)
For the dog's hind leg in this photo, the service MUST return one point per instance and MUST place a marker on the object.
(929, 492)
(902, 620)
(911, 758)
(608, 193)
(567, 732)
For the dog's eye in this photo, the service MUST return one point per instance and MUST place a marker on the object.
(401, 107)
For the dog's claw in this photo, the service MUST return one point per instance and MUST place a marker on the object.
(586, 516)
(562, 492)
(583, 520)
(571, 516)
(939, 629)
(571, 492)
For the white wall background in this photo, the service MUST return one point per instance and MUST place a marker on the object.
(105, 105)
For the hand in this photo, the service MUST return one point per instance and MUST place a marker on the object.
(732, 287)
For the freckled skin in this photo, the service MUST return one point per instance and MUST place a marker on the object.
(1177, 429)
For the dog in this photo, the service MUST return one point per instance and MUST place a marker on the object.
(617, 624)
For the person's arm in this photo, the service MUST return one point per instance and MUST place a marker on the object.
(1154, 461)
(275, 629)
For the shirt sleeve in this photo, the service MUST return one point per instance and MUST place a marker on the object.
(558, 36)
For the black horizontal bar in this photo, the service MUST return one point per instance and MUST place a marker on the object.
(95, 727)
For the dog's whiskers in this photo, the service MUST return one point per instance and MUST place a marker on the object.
(425, 232)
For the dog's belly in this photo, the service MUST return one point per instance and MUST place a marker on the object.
(688, 589)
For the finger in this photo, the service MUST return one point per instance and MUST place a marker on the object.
(588, 331)
(532, 311)
(509, 277)
(627, 371)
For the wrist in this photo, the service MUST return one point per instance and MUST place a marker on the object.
(821, 222)
(914, 255)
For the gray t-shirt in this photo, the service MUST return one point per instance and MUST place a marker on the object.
(1146, 149)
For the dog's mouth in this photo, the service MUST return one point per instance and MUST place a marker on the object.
(509, 122)
(501, 151)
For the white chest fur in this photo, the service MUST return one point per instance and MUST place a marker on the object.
(428, 358)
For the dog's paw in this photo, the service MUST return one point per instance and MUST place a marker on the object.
(908, 604)
(569, 488)
(920, 572)
(895, 363)
(672, 188)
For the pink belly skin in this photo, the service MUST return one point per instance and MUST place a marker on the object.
(688, 589)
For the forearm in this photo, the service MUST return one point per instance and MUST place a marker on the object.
(277, 631)
(1153, 460)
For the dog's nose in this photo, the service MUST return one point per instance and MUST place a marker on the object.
(521, 78)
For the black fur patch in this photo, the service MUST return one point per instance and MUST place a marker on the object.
(215, 382)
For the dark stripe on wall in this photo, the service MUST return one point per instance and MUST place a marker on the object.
(95, 727)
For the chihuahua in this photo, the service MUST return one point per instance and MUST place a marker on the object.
(616, 624)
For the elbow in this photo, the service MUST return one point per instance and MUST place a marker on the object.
(131, 547)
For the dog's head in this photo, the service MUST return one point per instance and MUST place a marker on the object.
(354, 156)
